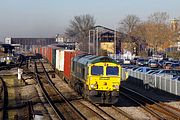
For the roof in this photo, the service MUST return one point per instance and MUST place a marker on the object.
(87, 59)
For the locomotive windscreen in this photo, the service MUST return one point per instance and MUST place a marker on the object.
(97, 70)
(112, 70)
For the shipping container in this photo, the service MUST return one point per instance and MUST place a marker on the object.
(40, 50)
(54, 56)
(36, 50)
(57, 60)
(43, 51)
(68, 55)
(61, 60)
(49, 55)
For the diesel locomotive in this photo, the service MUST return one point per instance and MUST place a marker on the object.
(97, 78)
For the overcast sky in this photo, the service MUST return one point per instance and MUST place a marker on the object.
(46, 18)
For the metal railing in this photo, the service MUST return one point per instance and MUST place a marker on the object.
(163, 82)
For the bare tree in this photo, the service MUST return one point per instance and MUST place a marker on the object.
(156, 31)
(159, 17)
(128, 26)
(129, 23)
(79, 28)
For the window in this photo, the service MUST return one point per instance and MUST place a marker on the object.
(112, 70)
(97, 70)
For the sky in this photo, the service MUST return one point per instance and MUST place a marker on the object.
(46, 18)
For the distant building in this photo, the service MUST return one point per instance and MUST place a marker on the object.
(107, 42)
(29, 43)
(175, 27)
(174, 24)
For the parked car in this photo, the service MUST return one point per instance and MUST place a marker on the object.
(176, 78)
(142, 62)
(161, 63)
(153, 63)
(167, 65)
(134, 68)
(133, 61)
(120, 61)
(169, 72)
(143, 69)
(127, 61)
(128, 66)
(175, 66)
(151, 71)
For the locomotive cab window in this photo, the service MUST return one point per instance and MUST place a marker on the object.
(97, 70)
(112, 70)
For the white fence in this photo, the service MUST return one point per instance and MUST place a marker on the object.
(161, 82)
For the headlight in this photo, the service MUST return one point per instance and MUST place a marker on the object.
(95, 86)
(92, 85)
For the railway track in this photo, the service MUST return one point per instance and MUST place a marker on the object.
(74, 112)
(158, 110)
(5, 100)
(92, 113)
(106, 115)
(123, 113)
(6, 109)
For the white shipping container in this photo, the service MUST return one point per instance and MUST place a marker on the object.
(61, 60)
(58, 59)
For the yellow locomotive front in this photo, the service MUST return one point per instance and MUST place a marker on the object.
(103, 82)
(97, 78)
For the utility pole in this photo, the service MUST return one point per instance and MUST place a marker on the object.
(89, 41)
(97, 44)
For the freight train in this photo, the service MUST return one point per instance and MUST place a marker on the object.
(96, 78)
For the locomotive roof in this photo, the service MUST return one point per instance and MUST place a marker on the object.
(91, 59)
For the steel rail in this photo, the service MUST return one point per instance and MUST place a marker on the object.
(5, 100)
(91, 110)
(102, 111)
(123, 113)
(51, 103)
(61, 95)
(156, 106)
(145, 108)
